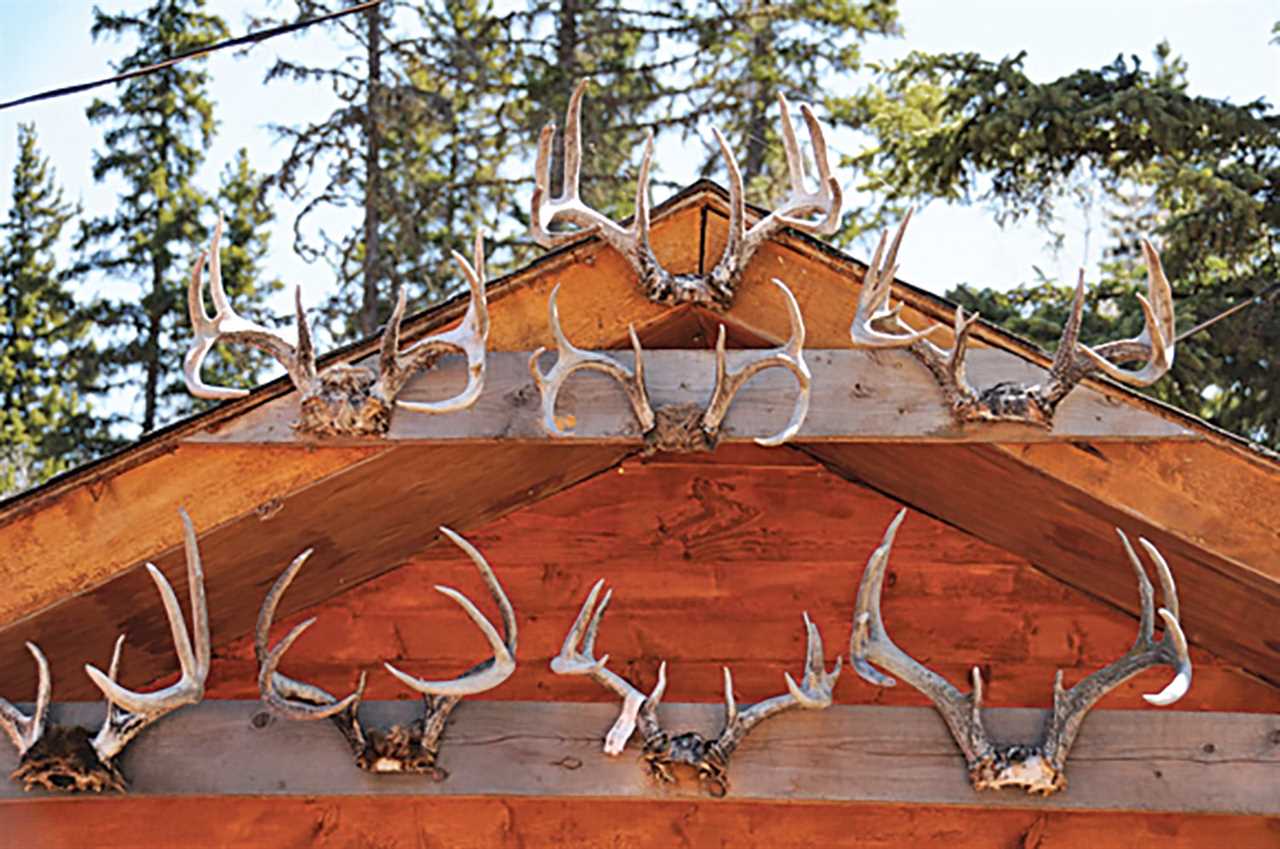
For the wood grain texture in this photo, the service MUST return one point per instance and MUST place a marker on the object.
(856, 396)
(1170, 761)
(411, 822)
(360, 524)
(92, 534)
(1070, 535)
(712, 559)
(1210, 498)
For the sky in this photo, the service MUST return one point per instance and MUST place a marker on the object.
(1226, 44)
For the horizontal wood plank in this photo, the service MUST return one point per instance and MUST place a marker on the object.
(1166, 761)
(857, 396)
(418, 822)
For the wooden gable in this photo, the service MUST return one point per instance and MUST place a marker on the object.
(1009, 559)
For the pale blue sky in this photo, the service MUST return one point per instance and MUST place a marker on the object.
(47, 44)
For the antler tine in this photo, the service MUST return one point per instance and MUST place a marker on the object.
(25, 730)
(194, 663)
(828, 199)
(873, 300)
(1071, 706)
(226, 325)
(569, 207)
(470, 337)
(570, 359)
(814, 693)
(1155, 343)
(287, 697)
(789, 356)
(870, 643)
(487, 674)
(573, 660)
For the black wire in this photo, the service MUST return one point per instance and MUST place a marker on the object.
(250, 38)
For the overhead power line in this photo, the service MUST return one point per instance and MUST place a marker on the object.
(250, 38)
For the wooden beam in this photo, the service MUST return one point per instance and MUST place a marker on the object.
(1069, 534)
(1150, 761)
(857, 396)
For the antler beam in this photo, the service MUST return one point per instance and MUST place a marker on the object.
(877, 325)
(340, 399)
(414, 748)
(708, 758)
(676, 427)
(717, 288)
(1038, 768)
(66, 758)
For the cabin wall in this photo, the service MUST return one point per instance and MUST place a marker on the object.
(712, 560)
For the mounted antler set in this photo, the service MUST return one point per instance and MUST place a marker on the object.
(676, 427)
(68, 758)
(716, 289)
(877, 325)
(411, 749)
(341, 399)
(1039, 768)
(709, 758)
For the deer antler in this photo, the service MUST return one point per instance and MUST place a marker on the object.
(412, 749)
(877, 325)
(789, 356)
(570, 359)
(469, 338)
(717, 288)
(662, 751)
(1040, 767)
(672, 427)
(341, 399)
(61, 760)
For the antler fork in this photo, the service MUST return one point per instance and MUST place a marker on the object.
(65, 758)
(340, 399)
(411, 749)
(717, 288)
(877, 325)
(709, 757)
(1039, 768)
(676, 427)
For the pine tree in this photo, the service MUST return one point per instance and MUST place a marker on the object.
(46, 362)
(414, 147)
(158, 131)
(1200, 174)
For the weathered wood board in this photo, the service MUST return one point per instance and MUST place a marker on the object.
(1168, 761)
(857, 396)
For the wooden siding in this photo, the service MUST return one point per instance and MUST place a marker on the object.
(712, 560)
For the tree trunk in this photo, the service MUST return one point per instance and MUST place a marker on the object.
(567, 60)
(761, 95)
(368, 321)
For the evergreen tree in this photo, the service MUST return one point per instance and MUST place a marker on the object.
(1200, 174)
(158, 131)
(414, 147)
(46, 362)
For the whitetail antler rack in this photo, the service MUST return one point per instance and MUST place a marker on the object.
(68, 759)
(676, 427)
(877, 325)
(662, 750)
(1039, 768)
(716, 289)
(414, 748)
(341, 399)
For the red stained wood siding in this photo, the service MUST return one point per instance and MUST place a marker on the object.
(712, 560)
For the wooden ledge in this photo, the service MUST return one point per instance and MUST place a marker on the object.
(1148, 761)
(857, 396)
